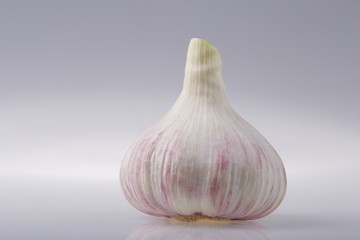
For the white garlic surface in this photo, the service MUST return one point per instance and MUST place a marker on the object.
(203, 159)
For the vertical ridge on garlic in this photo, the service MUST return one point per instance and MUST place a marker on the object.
(202, 158)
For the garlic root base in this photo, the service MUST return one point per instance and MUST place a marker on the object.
(197, 217)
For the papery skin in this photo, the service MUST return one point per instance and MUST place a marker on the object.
(202, 157)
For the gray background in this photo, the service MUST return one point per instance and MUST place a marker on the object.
(80, 80)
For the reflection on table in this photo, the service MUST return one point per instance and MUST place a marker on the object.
(209, 230)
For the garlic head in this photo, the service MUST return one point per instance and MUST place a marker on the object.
(202, 159)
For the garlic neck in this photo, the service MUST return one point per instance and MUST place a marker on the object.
(203, 79)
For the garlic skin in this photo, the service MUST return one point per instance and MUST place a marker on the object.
(202, 158)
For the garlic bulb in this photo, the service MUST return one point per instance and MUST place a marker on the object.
(202, 159)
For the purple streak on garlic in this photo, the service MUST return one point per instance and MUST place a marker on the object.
(202, 158)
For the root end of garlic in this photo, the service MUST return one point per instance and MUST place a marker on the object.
(198, 217)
